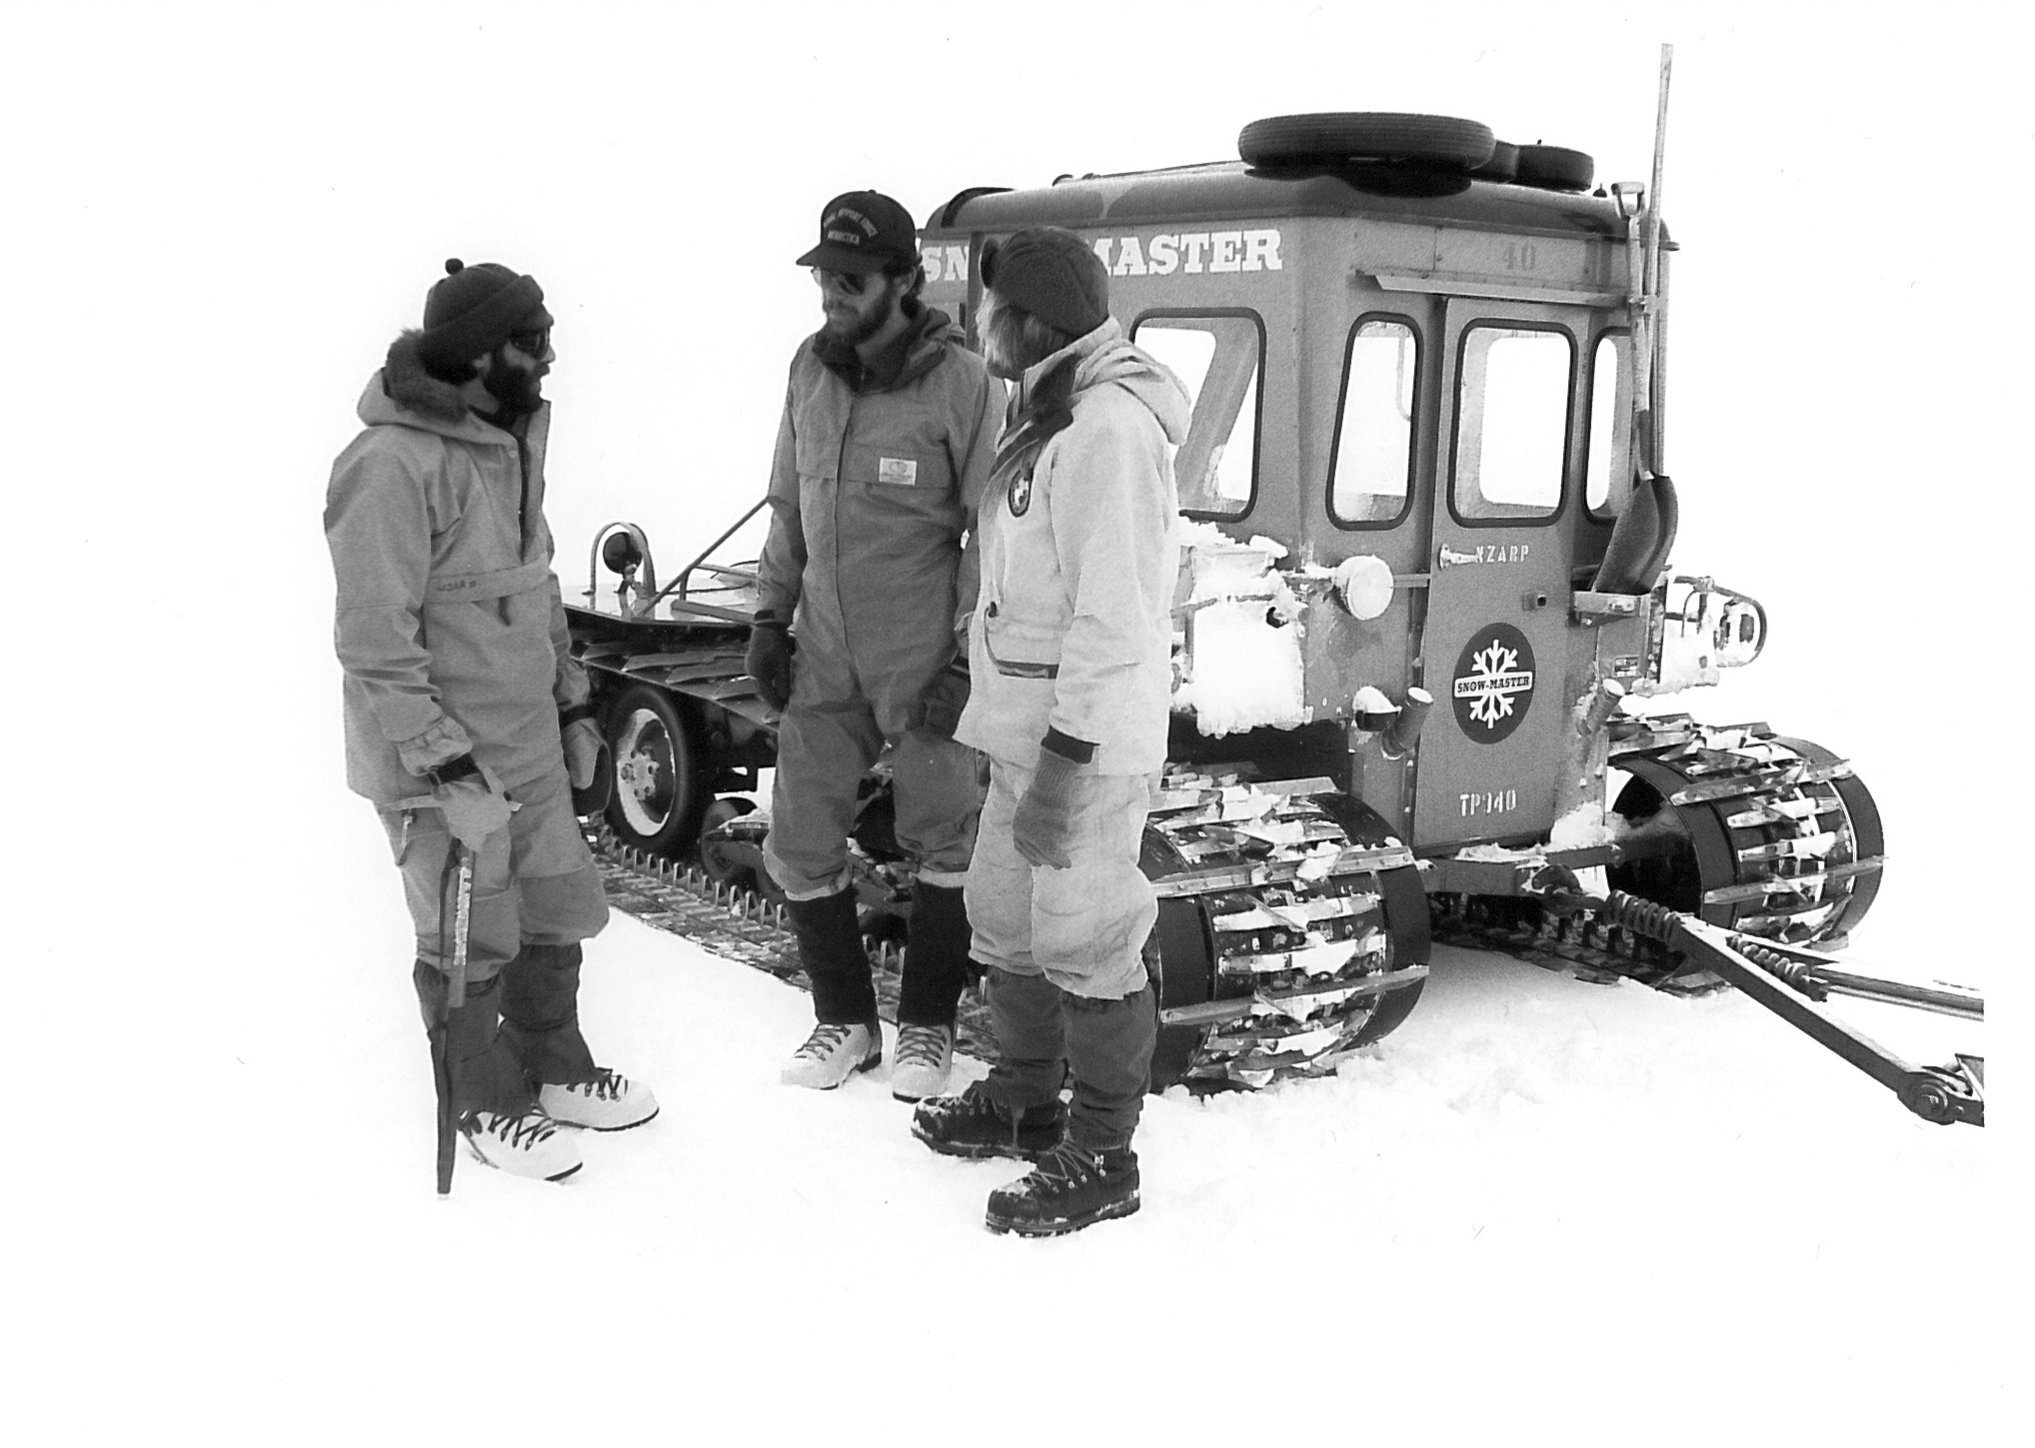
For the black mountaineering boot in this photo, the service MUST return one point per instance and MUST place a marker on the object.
(1070, 1188)
(973, 1125)
(1091, 1176)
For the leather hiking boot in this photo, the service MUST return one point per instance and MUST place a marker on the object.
(831, 1054)
(973, 1125)
(529, 1144)
(1070, 1188)
(925, 1056)
(609, 1102)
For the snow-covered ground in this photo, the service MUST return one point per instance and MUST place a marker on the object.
(1542, 1210)
(1604, 1204)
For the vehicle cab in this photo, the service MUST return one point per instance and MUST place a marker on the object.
(1415, 387)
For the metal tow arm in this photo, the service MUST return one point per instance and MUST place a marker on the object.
(1790, 981)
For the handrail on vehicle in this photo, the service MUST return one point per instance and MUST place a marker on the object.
(681, 585)
(681, 581)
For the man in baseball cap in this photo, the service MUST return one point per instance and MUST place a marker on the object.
(863, 232)
(888, 432)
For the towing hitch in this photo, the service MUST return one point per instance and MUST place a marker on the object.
(1792, 982)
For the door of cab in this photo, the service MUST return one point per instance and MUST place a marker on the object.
(1492, 649)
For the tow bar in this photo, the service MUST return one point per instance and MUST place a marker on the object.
(1791, 982)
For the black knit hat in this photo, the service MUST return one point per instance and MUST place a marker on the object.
(1053, 274)
(862, 232)
(475, 309)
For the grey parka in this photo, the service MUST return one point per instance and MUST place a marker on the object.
(450, 625)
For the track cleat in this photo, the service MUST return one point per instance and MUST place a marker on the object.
(609, 1102)
(528, 1145)
(925, 1056)
(831, 1054)
(1070, 1188)
(973, 1125)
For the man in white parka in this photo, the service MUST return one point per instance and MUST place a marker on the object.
(1070, 657)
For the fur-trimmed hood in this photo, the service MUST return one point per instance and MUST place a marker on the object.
(405, 394)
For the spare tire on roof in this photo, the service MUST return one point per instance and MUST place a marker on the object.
(1503, 165)
(1368, 136)
(1555, 168)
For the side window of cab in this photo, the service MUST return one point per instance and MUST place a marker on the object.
(1608, 471)
(1370, 481)
(1218, 355)
(1512, 422)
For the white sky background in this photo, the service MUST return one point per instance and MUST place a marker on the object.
(224, 213)
(219, 216)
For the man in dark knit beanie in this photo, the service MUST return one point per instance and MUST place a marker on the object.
(468, 721)
(470, 314)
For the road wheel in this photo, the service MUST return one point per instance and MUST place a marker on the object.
(660, 775)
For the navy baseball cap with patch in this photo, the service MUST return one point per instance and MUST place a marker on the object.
(863, 231)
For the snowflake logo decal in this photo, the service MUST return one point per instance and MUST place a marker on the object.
(1494, 683)
(1494, 667)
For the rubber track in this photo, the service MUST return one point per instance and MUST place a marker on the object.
(1592, 948)
(740, 925)
(1583, 947)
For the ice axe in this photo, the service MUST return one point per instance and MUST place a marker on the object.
(460, 862)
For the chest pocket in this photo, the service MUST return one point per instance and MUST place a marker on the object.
(900, 469)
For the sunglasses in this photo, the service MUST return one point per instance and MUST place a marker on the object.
(536, 343)
(852, 283)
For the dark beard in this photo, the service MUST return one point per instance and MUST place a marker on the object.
(517, 391)
(863, 328)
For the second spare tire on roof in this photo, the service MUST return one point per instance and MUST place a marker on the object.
(1555, 168)
(1368, 136)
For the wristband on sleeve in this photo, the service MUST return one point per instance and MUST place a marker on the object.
(1079, 751)
(576, 713)
(462, 767)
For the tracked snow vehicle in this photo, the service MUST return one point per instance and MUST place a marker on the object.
(1424, 610)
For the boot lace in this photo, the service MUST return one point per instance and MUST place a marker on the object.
(608, 1086)
(1065, 1165)
(921, 1045)
(518, 1133)
(823, 1042)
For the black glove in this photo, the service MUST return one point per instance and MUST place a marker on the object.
(946, 698)
(769, 660)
